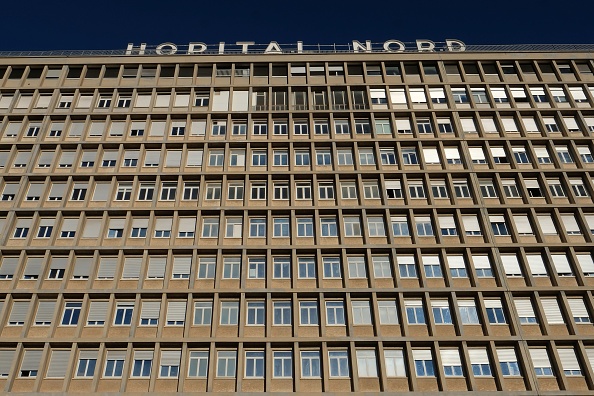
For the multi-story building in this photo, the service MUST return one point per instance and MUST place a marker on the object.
(398, 222)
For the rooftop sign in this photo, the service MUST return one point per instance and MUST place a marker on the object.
(250, 47)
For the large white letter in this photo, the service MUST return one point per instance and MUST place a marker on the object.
(455, 45)
(166, 49)
(222, 47)
(244, 45)
(273, 48)
(388, 46)
(425, 45)
(196, 48)
(140, 49)
(299, 47)
(358, 46)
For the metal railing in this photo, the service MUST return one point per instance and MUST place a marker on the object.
(307, 49)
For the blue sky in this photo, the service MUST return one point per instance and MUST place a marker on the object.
(111, 24)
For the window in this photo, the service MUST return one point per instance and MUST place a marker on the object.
(123, 315)
(282, 364)
(260, 128)
(281, 313)
(281, 267)
(281, 157)
(206, 267)
(414, 311)
(423, 226)
(258, 191)
(255, 313)
(257, 227)
(331, 267)
(213, 191)
(495, 312)
(541, 362)
(302, 158)
(168, 191)
(307, 267)
(259, 158)
(361, 312)
(87, 361)
(231, 267)
(310, 364)
(339, 363)
(371, 190)
(525, 311)
(235, 191)
(441, 312)
(407, 267)
(305, 227)
(229, 312)
(198, 364)
(394, 362)
(452, 366)
(366, 156)
(341, 127)
(423, 363)
(190, 191)
(308, 313)
(348, 190)
(388, 156)
(169, 365)
(280, 128)
(416, 189)
(323, 157)
(202, 313)
(510, 188)
(210, 227)
(381, 267)
(146, 192)
(281, 227)
(498, 225)
(254, 364)
(409, 156)
(345, 157)
(114, 364)
(71, 313)
(143, 361)
(329, 227)
(352, 226)
(357, 268)
(281, 191)
(256, 267)
(226, 363)
(216, 158)
(388, 313)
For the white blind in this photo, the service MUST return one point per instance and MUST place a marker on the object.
(150, 310)
(452, 152)
(455, 261)
(98, 311)
(431, 156)
(142, 101)
(31, 359)
(522, 224)
(181, 100)
(571, 123)
(450, 357)
(33, 267)
(468, 125)
(536, 264)
(182, 264)
(561, 263)
(569, 360)
(82, 267)
(524, 307)
(422, 354)
(377, 93)
(498, 93)
(539, 357)
(132, 267)
(397, 96)
(107, 267)
(509, 124)
(6, 360)
(476, 153)
(19, 311)
(9, 265)
(578, 307)
(117, 128)
(170, 358)
(156, 267)
(176, 311)
(437, 93)
(478, 356)
(173, 158)
(497, 151)
(578, 94)
(198, 128)
(187, 224)
(552, 311)
(239, 101)
(392, 184)
(447, 221)
(194, 157)
(506, 355)
(489, 125)
(511, 265)
(58, 364)
(59, 262)
(163, 100)
(403, 125)
(530, 124)
(417, 95)
(152, 157)
(157, 128)
(586, 263)
(546, 224)
(143, 355)
(163, 223)
(570, 224)
(45, 311)
(518, 92)
(220, 101)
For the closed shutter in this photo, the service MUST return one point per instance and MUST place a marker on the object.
(568, 358)
(571, 124)
(140, 223)
(439, 304)
(5, 101)
(142, 101)
(455, 261)
(546, 224)
(198, 128)
(163, 100)
(82, 267)
(540, 357)
(19, 311)
(170, 358)
(187, 224)
(586, 264)
(518, 93)
(194, 158)
(541, 152)
(69, 224)
(584, 150)
(240, 101)
(58, 364)
(436, 93)
(392, 184)
(117, 223)
(102, 191)
(76, 129)
(431, 156)
(116, 355)
(220, 101)
(397, 96)
(403, 125)
(415, 303)
(422, 354)
(152, 157)
(430, 260)
(176, 311)
(578, 308)
(417, 95)
(578, 94)
(84, 101)
(23, 102)
(497, 151)
(489, 125)
(552, 311)
(173, 158)
(182, 265)
(492, 303)
(536, 264)
(509, 124)
(478, 356)
(468, 125)
(11, 188)
(498, 93)
(46, 158)
(92, 228)
(67, 158)
(9, 265)
(181, 100)
(511, 265)
(96, 128)
(45, 311)
(57, 190)
(523, 226)
(6, 360)
(23, 157)
(450, 357)
(466, 303)
(24, 223)
(405, 260)
(132, 267)
(506, 355)
(59, 262)
(530, 124)
(131, 154)
(570, 224)
(446, 222)
(452, 153)
(33, 267)
(163, 223)
(150, 310)
(476, 153)
(156, 267)
(524, 307)
(143, 355)
(13, 129)
(31, 359)
(561, 264)
(86, 354)
(157, 128)
(98, 311)
(107, 267)
(117, 128)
